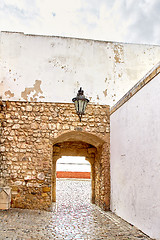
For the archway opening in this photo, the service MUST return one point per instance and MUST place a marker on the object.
(74, 149)
(95, 149)
(73, 182)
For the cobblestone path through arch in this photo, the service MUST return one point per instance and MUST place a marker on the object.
(73, 217)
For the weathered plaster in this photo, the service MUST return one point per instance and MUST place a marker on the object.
(138, 86)
(118, 54)
(105, 93)
(135, 156)
(9, 94)
(36, 89)
(105, 70)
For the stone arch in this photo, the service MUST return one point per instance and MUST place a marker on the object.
(89, 138)
(75, 143)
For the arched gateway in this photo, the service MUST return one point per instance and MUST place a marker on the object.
(38, 135)
(74, 143)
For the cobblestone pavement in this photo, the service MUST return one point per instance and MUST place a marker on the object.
(73, 217)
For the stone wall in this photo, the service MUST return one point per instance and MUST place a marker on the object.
(29, 132)
(2, 149)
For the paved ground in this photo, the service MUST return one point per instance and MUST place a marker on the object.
(73, 217)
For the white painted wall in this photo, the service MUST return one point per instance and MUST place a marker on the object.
(51, 69)
(135, 160)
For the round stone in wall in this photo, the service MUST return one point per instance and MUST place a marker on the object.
(41, 176)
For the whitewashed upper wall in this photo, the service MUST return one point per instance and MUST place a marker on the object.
(51, 69)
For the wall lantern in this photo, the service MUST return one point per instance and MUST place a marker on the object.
(80, 103)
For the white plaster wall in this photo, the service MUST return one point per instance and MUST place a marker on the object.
(51, 69)
(135, 160)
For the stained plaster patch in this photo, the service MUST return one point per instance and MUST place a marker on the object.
(105, 93)
(9, 94)
(36, 89)
(118, 53)
(60, 63)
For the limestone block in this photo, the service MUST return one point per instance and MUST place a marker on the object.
(2, 140)
(38, 118)
(43, 126)
(2, 149)
(92, 150)
(102, 129)
(14, 188)
(28, 177)
(8, 115)
(16, 126)
(65, 126)
(46, 189)
(58, 126)
(56, 149)
(44, 195)
(28, 108)
(1, 115)
(23, 109)
(52, 126)
(10, 138)
(9, 121)
(36, 109)
(5, 198)
(41, 176)
(34, 125)
(18, 183)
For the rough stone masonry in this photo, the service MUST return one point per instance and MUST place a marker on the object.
(30, 131)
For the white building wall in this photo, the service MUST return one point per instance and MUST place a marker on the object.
(135, 159)
(73, 164)
(51, 69)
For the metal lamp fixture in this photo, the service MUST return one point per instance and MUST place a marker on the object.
(80, 103)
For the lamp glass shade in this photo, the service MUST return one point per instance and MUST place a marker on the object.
(76, 105)
(81, 106)
(84, 106)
